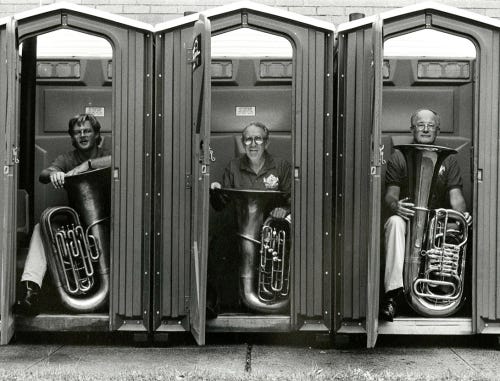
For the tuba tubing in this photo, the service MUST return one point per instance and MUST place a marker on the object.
(250, 259)
(88, 303)
(423, 164)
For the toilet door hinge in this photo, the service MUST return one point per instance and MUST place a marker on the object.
(15, 155)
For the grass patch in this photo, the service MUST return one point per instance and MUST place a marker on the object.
(168, 373)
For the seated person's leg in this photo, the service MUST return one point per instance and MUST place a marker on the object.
(395, 229)
(32, 278)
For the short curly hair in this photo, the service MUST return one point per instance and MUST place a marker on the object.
(80, 119)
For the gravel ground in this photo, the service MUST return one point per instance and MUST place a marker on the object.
(405, 358)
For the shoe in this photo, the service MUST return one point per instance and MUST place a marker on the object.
(212, 310)
(211, 313)
(388, 309)
(28, 305)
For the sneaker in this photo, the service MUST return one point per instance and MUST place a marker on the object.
(28, 305)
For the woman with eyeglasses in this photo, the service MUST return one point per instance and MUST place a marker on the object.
(424, 125)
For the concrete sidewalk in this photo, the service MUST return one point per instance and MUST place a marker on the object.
(417, 359)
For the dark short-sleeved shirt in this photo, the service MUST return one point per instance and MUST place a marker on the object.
(274, 175)
(448, 178)
(69, 160)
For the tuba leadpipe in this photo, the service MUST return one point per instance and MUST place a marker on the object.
(434, 264)
(76, 240)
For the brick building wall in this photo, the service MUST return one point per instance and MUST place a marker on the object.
(335, 11)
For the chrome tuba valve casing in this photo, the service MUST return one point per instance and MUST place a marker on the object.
(274, 269)
(440, 286)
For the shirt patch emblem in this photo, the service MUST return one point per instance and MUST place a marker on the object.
(441, 170)
(271, 182)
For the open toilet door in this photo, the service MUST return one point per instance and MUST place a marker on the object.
(201, 107)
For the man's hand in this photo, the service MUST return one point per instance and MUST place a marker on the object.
(403, 208)
(468, 218)
(57, 179)
(279, 213)
(215, 185)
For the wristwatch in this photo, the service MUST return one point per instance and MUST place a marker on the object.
(90, 164)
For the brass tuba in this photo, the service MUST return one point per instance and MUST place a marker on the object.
(76, 241)
(434, 264)
(264, 250)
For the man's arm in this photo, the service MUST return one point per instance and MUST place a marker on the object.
(392, 197)
(101, 162)
(98, 162)
(45, 175)
(454, 184)
(400, 207)
(56, 175)
(285, 186)
(457, 202)
(218, 200)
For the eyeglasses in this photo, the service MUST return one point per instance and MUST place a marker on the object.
(258, 140)
(83, 131)
(422, 126)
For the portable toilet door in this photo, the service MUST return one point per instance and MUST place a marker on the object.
(358, 178)
(118, 92)
(9, 139)
(183, 164)
(463, 91)
(180, 216)
(201, 110)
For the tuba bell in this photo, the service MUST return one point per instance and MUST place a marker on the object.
(434, 264)
(76, 241)
(264, 250)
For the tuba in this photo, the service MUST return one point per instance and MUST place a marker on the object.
(76, 241)
(434, 264)
(264, 250)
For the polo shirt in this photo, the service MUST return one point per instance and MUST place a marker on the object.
(448, 178)
(275, 174)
